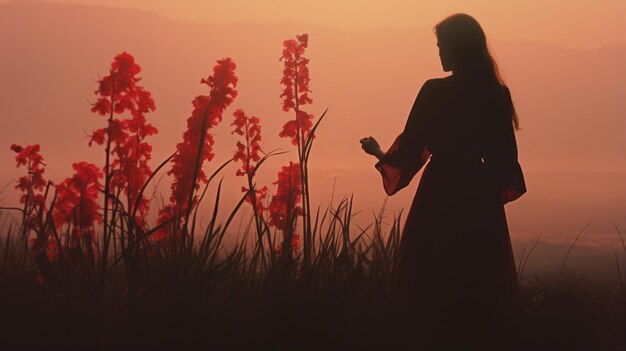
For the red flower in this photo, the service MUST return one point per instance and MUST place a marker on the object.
(102, 106)
(77, 201)
(17, 149)
(125, 64)
(283, 207)
(259, 197)
(97, 137)
(290, 129)
(47, 245)
(249, 154)
(296, 88)
(32, 184)
(117, 93)
(32, 187)
(163, 235)
(121, 80)
(207, 111)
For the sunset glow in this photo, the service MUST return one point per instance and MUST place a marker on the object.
(575, 23)
(246, 81)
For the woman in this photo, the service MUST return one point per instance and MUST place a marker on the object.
(456, 264)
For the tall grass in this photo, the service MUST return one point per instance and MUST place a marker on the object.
(216, 296)
(123, 284)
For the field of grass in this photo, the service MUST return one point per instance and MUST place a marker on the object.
(345, 301)
(81, 266)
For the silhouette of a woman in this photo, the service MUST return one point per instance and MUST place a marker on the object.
(456, 264)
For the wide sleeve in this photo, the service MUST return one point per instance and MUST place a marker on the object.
(502, 157)
(409, 152)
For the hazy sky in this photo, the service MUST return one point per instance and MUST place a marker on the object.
(573, 23)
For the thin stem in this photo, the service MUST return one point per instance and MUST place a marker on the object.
(195, 171)
(107, 185)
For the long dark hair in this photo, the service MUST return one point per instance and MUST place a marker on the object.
(467, 42)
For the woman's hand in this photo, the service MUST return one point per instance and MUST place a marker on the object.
(371, 146)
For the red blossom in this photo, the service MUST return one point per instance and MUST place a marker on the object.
(260, 194)
(32, 184)
(46, 245)
(121, 80)
(32, 187)
(77, 201)
(17, 149)
(249, 154)
(163, 235)
(296, 88)
(207, 112)
(97, 137)
(290, 129)
(117, 93)
(102, 106)
(125, 64)
(283, 208)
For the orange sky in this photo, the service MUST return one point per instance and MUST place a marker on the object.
(573, 23)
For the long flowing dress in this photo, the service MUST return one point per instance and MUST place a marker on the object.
(455, 253)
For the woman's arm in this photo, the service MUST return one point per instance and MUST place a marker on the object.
(409, 152)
